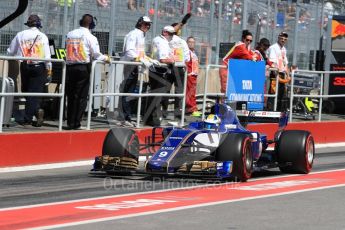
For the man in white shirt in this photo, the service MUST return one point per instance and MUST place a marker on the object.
(158, 80)
(277, 55)
(181, 55)
(32, 43)
(133, 50)
(81, 49)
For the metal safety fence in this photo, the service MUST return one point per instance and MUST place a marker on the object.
(318, 75)
(213, 22)
(4, 94)
(141, 71)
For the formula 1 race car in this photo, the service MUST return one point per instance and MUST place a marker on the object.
(219, 146)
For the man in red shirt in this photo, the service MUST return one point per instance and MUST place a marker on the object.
(241, 50)
(193, 71)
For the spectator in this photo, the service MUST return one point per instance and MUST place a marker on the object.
(181, 55)
(241, 50)
(277, 54)
(81, 48)
(103, 3)
(260, 51)
(161, 52)
(32, 43)
(193, 71)
(131, 4)
(133, 50)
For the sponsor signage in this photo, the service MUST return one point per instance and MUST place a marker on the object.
(337, 81)
(338, 34)
(246, 81)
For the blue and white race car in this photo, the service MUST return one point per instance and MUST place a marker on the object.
(219, 146)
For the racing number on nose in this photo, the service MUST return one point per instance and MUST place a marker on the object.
(163, 154)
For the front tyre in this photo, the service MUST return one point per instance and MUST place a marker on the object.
(236, 147)
(121, 142)
(296, 150)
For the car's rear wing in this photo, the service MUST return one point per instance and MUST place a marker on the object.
(246, 116)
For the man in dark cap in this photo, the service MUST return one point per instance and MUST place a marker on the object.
(32, 43)
(82, 48)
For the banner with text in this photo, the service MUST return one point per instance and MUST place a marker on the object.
(246, 80)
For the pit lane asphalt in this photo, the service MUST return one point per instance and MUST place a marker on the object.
(43, 186)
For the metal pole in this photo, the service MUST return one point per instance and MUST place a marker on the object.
(155, 19)
(275, 18)
(64, 26)
(91, 94)
(184, 98)
(291, 95)
(328, 54)
(62, 98)
(112, 27)
(321, 99)
(147, 6)
(220, 12)
(268, 18)
(244, 15)
(295, 37)
(3, 86)
(210, 35)
(231, 37)
(76, 12)
(205, 93)
(141, 79)
(321, 29)
(185, 11)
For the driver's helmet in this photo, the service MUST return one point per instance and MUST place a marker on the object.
(212, 121)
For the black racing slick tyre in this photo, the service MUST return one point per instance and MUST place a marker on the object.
(236, 147)
(295, 149)
(121, 142)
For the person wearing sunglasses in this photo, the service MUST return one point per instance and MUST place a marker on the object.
(277, 54)
(241, 50)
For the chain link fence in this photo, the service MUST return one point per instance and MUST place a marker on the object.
(213, 22)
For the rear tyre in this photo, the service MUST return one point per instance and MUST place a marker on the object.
(236, 147)
(295, 149)
(121, 142)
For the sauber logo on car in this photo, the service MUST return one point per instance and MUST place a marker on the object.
(339, 81)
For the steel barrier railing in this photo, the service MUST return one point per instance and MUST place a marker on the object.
(139, 95)
(321, 96)
(3, 94)
(208, 67)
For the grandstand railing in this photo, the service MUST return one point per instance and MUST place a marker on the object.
(4, 94)
(139, 95)
(321, 96)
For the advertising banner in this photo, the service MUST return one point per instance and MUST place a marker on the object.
(246, 80)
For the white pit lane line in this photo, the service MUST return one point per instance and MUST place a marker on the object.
(90, 162)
